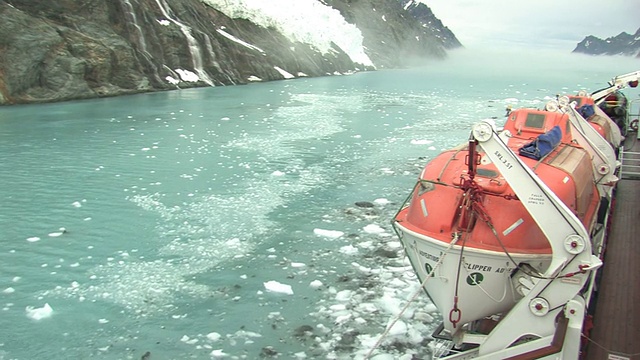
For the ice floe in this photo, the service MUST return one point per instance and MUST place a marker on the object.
(331, 234)
(39, 313)
(274, 286)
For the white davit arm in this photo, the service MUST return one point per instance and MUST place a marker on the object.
(603, 156)
(615, 84)
(572, 258)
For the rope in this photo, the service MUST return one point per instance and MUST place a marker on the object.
(609, 350)
(413, 297)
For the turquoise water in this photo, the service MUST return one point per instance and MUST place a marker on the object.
(178, 207)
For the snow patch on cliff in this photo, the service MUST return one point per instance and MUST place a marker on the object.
(305, 21)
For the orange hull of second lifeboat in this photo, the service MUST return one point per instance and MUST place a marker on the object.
(600, 123)
(491, 226)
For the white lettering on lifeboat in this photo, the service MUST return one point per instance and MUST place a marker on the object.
(429, 256)
(478, 267)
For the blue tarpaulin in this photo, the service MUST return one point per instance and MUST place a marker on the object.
(543, 144)
(586, 111)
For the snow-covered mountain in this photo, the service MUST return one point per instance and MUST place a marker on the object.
(71, 49)
(622, 44)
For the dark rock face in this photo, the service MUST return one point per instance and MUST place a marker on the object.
(432, 25)
(73, 49)
(622, 44)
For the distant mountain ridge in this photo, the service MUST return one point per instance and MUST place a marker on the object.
(622, 44)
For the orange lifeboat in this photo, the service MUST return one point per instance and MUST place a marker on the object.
(507, 231)
(597, 118)
(469, 236)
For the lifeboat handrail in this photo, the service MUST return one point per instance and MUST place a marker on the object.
(569, 240)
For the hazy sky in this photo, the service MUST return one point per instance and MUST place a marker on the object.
(550, 23)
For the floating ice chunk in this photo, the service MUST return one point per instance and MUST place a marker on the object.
(373, 229)
(349, 250)
(315, 284)
(9, 290)
(225, 118)
(343, 318)
(381, 201)
(297, 265)
(187, 340)
(366, 244)
(103, 321)
(214, 336)
(218, 354)
(421, 142)
(399, 328)
(274, 286)
(76, 204)
(277, 173)
(431, 148)
(367, 307)
(300, 355)
(430, 308)
(423, 317)
(39, 313)
(344, 295)
(333, 234)
(33, 239)
(58, 233)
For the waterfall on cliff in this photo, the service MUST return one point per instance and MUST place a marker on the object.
(194, 47)
(130, 14)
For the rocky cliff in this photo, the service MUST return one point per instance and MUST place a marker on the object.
(73, 49)
(622, 44)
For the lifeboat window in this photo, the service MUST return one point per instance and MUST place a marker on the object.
(535, 121)
(487, 173)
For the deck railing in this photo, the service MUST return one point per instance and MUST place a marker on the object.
(630, 164)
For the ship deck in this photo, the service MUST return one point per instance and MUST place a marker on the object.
(616, 331)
